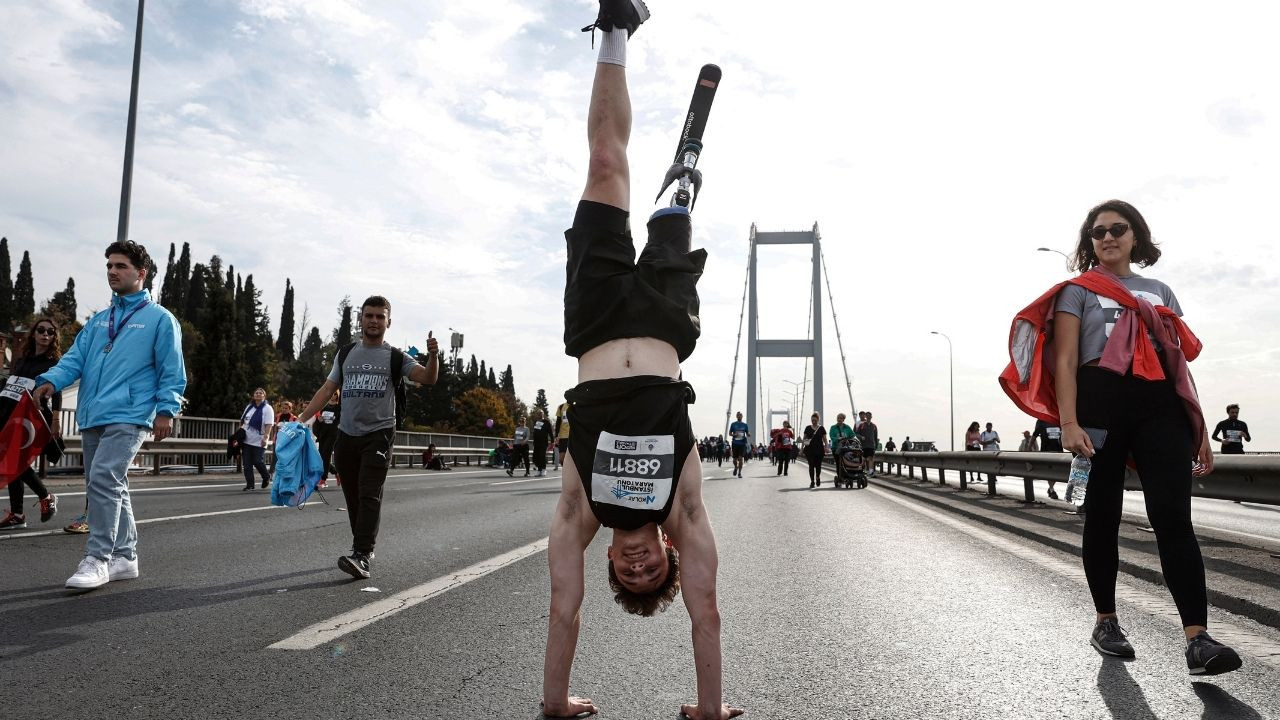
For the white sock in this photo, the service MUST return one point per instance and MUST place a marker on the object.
(613, 48)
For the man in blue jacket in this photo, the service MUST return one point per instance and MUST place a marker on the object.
(128, 359)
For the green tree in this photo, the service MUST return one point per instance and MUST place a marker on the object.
(507, 381)
(478, 405)
(215, 382)
(7, 315)
(62, 308)
(284, 342)
(482, 377)
(24, 291)
(342, 336)
(540, 403)
(308, 372)
(170, 284)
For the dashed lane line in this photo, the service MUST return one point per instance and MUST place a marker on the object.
(329, 630)
(1242, 639)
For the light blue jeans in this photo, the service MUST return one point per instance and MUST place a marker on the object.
(108, 450)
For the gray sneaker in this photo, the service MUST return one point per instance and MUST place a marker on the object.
(1109, 639)
(1206, 656)
(619, 15)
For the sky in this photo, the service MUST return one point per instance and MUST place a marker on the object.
(434, 152)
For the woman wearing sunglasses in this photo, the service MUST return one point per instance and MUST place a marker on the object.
(1114, 377)
(38, 352)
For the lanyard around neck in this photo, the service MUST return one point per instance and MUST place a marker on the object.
(113, 330)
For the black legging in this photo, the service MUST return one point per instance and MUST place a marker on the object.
(520, 454)
(815, 466)
(327, 441)
(30, 478)
(540, 456)
(784, 460)
(1145, 419)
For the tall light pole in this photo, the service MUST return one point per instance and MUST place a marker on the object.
(126, 184)
(1066, 258)
(951, 374)
(796, 387)
(794, 397)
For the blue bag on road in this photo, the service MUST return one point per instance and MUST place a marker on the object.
(298, 465)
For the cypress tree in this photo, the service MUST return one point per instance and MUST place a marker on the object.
(284, 342)
(540, 403)
(197, 285)
(493, 381)
(482, 376)
(507, 381)
(6, 287)
(183, 277)
(166, 290)
(24, 291)
(342, 336)
(309, 371)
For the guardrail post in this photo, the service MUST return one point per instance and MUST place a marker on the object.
(964, 480)
(991, 484)
(924, 474)
(200, 464)
(1029, 490)
(911, 471)
(942, 476)
(155, 467)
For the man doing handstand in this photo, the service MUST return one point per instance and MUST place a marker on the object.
(632, 464)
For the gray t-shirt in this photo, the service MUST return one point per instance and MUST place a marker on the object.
(368, 400)
(1098, 315)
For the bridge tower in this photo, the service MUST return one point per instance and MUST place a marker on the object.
(758, 347)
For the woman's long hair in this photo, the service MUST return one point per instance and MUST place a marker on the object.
(28, 347)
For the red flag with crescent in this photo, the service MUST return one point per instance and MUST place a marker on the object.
(22, 439)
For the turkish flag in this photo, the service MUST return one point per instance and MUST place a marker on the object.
(22, 439)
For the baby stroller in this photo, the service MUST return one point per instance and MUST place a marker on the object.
(848, 457)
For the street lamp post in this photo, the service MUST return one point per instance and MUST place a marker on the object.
(951, 375)
(1066, 258)
(126, 184)
(796, 387)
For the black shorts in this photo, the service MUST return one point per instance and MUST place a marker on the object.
(1232, 448)
(608, 294)
(562, 444)
(630, 439)
(868, 451)
(739, 451)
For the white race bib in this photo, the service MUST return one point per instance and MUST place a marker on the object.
(13, 389)
(633, 471)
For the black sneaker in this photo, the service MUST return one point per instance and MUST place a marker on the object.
(1108, 639)
(619, 14)
(1206, 656)
(356, 564)
(1053, 495)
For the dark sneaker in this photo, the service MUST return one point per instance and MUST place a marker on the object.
(1053, 495)
(356, 565)
(1109, 639)
(48, 507)
(1206, 656)
(619, 14)
(13, 521)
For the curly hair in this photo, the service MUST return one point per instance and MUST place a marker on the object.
(136, 253)
(1145, 253)
(653, 602)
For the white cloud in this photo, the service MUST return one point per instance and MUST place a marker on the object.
(433, 152)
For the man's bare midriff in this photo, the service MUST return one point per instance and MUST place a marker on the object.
(627, 357)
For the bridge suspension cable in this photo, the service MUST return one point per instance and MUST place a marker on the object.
(742, 313)
(835, 318)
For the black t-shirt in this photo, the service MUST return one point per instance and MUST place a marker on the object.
(542, 431)
(32, 368)
(814, 440)
(1232, 432)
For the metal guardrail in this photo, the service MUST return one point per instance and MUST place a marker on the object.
(199, 441)
(1247, 478)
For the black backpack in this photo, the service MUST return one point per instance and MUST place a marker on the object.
(397, 378)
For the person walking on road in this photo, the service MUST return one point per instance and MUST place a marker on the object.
(128, 359)
(1120, 386)
(786, 439)
(367, 372)
(1233, 433)
(630, 324)
(740, 435)
(541, 432)
(869, 435)
(990, 440)
(562, 433)
(973, 438)
(38, 353)
(1050, 439)
(815, 448)
(520, 448)
(1028, 443)
(325, 428)
(257, 420)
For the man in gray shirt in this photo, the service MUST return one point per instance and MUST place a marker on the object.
(367, 428)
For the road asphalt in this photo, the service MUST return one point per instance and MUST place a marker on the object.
(835, 604)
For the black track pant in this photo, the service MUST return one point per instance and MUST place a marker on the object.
(1145, 419)
(361, 462)
(540, 456)
(815, 467)
(30, 478)
(326, 442)
(784, 460)
(520, 454)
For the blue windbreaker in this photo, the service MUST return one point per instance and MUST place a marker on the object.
(143, 375)
(298, 465)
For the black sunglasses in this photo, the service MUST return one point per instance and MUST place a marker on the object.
(1099, 232)
(46, 330)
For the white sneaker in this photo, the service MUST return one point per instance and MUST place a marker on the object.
(122, 568)
(92, 573)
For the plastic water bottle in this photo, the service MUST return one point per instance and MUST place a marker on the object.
(1078, 479)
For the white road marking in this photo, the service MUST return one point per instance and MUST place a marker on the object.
(523, 480)
(329, 630)
(1240, 638)
(156, 520)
